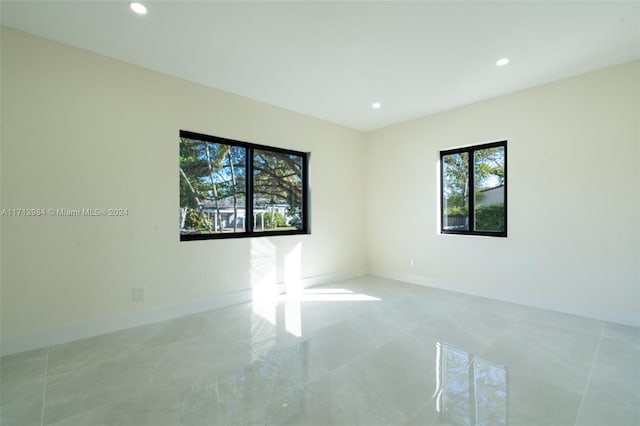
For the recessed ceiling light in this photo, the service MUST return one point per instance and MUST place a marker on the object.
(138, 8)
(502, 62)
(376, 105)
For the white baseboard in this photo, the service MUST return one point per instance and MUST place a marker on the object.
(619, 316)
(70, 332)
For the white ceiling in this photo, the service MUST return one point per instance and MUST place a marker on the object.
(332, 60)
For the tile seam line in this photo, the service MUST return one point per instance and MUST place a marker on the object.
(44, 388)
(593, 363)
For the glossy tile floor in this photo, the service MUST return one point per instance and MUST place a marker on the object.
(361, 352)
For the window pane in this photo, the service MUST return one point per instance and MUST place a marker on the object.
(455, 190)
(212, 187)
(489, 189)
(277, 191)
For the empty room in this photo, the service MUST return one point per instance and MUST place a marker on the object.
(320, 213)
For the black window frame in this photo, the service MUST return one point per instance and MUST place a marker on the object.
(249, 231)
(470, 150)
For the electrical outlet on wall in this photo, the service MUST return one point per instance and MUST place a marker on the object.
(137, 294)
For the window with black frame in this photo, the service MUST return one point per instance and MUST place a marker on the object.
(473, 190)
(231, 189)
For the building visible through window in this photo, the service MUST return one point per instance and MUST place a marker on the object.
(236, 189)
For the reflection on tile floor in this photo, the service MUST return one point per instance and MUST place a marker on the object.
(361, 352)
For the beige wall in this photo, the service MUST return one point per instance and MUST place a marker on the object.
(573, 198)
(81, 130)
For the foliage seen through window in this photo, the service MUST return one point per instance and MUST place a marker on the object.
(215, 189)
(482, 192)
